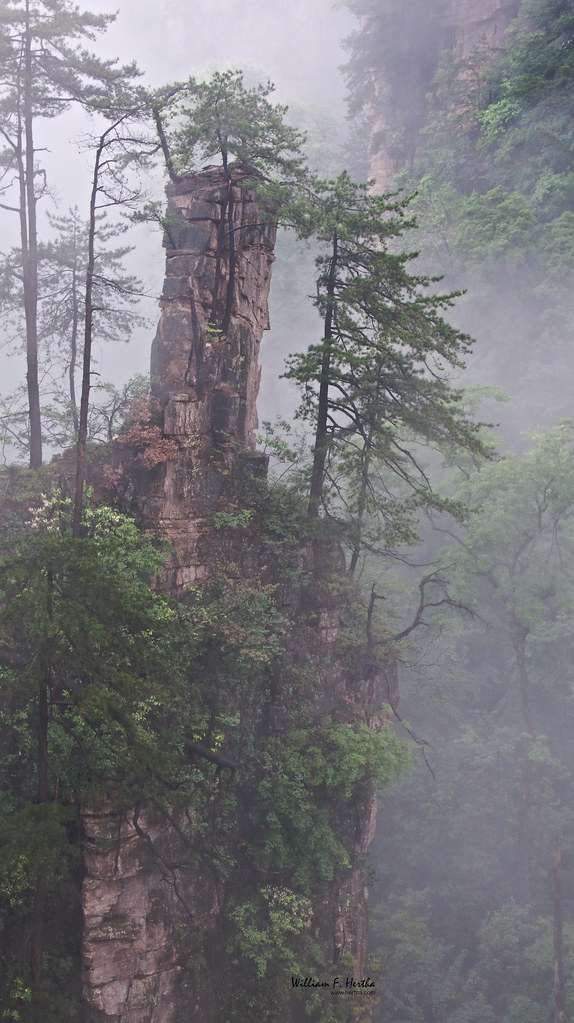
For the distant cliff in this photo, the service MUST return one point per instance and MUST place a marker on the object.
(401, 77)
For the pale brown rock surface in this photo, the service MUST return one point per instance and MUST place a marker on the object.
(145, 909)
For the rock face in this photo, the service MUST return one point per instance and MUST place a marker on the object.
(206, 380)
(146, 912)
(137, 902)
(149, 909)
(206, 377)
(474, 22)
(458, 26)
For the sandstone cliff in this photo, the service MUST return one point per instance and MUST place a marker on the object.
(154, 917)
(458, 27)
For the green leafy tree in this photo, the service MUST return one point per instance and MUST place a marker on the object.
(62, 282)
(376, 384)
(61, 312)
(489, 153)
(124, 143)
(43, 70)
(92, 678)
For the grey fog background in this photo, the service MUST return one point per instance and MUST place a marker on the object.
(297, 45)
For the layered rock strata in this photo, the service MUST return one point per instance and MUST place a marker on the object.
(204, 380)
(148, 911)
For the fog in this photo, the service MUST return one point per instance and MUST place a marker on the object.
(297, 46)
(454, 882)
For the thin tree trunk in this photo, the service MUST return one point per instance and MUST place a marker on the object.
(41, 889)
(30, 261)
(87, 359)
(362, 502)
(321, 433)
(74, 350)
(558, 918)
(174, 176)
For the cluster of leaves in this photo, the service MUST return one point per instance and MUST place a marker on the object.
(94, 678)
(111, 692)
(142, 434)
(224, 119)
(313, 776)
(62, 264)
(306, 788)
(376, 386)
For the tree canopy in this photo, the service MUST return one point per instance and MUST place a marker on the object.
(376, 385)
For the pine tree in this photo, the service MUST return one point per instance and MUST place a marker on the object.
(43, 70)
(376, 384)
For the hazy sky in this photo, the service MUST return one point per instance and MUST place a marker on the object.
(296, 45)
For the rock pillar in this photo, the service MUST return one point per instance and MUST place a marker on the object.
(146, 910)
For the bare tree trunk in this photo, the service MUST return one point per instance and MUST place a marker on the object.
(87, 359)
(558, 917)
(74, 350)
(362, 502)
(40, 891)
(30, 260)
(321, 432)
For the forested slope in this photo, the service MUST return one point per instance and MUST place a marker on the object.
(475, 859)
(485, 142)
(196, 693)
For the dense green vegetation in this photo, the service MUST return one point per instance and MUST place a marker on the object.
(110, 692)
(486, 144)
(475, 860)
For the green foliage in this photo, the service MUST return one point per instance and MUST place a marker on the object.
(44, 70)
(312, 778)
(488, 151)
(227, 121)
(375, 387)
(81, 614)
(232, 518)
(266, 932)
(95, 698)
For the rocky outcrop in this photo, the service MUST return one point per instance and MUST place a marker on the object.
(139, 900)
(147, 909)
(475, 22)
(152, 914)
(206, 381)
(205, 376)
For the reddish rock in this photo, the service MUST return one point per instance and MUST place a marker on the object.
(149, 910)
